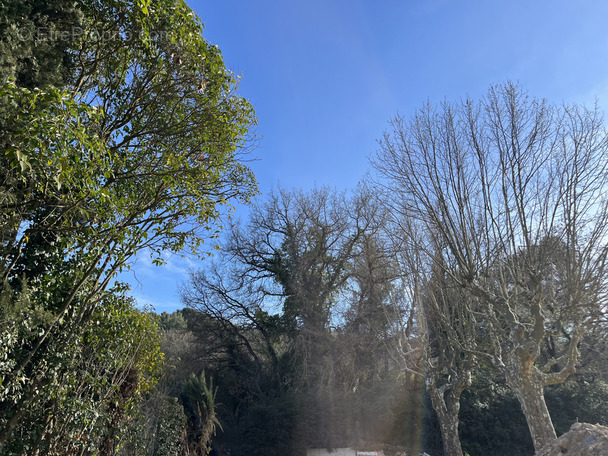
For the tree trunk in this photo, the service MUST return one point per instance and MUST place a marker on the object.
(529, 388)
(446, 402)
(449, 435)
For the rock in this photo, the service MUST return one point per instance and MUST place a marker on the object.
(583, 439)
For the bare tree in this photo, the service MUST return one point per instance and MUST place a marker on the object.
(445, 327)
(451, 337)
(449, 363)
(298, 247)
(514, 188)
(382, 302)
(276, 287)
(292, 259)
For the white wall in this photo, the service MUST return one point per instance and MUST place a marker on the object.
(335, 452)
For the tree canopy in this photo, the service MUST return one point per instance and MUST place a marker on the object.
(121, 132)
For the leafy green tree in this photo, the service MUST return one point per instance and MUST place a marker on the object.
(92, 382)
(138, 150)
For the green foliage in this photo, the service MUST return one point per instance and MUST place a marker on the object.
(579, 399)
(491, 418)
(172, 321)
(89, 382)
(19, 323)
(265, 429)
(492, 421)
(146, 155)
(198, 399)
(122, 136)
(28, 51)
(156, 429)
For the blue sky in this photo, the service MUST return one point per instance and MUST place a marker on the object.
(326, 76)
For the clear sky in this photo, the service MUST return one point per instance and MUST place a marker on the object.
(325, 76)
